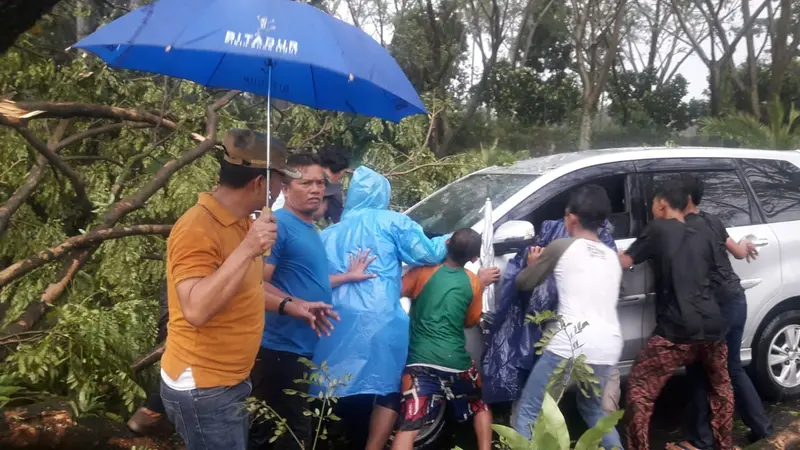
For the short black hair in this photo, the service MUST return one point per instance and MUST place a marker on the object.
(673, 192)
(236, 176)
(464, 245)
(591, 205)
(302, 159)
(334, 158)
(693, 187)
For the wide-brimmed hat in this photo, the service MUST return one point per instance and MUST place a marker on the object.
(249, 148)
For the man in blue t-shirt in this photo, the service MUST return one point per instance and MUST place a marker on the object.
(297, 271)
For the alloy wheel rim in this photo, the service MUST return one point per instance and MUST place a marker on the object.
(783, 360)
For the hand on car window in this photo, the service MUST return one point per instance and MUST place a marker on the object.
(488, 275)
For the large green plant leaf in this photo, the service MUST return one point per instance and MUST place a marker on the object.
(550, 422)
(590, 440)
(514, 440)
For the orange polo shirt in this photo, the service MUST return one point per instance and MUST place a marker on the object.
(221, 352)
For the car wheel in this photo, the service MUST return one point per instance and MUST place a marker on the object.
(430, 436)
(777, 357)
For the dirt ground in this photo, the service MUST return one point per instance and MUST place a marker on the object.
(52, 426)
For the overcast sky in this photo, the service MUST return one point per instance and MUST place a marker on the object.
(692, 69)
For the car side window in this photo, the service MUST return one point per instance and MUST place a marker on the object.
(724, 195)
(616, 188)
(777, 188)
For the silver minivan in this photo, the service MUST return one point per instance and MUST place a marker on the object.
(756, 193)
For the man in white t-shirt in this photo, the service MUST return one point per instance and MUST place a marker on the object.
(588, 276)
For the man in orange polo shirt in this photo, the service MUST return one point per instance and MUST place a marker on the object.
(217, 299)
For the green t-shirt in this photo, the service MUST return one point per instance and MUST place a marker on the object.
(444, 301)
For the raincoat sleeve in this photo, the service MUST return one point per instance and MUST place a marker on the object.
(414, 247)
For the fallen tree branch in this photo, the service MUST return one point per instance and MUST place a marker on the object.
(32, 181)
(91, 132)
(136, 201)
(22, 112)
(148, 359)
(36, 310)
(90, 158)
(22, 193)
(421, 166)
(91, 238)
(36, 175)
(78, 185)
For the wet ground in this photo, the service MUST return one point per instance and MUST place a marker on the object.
(668, 418)
(53, 427)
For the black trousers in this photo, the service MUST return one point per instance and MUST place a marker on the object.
(273, 372)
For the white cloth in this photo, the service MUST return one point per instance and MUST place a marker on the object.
(588, 276)
(279, 202)
(185, 381)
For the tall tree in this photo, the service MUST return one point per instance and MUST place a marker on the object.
(723, 40)
(596, 33)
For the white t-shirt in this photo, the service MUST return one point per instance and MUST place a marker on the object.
(588, 276)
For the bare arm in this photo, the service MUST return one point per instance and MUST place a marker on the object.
(541, 263)
(742, 249)
(204, 296)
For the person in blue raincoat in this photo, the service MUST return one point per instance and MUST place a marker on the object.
(370, 342)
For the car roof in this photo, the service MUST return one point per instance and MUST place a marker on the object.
(586, 158)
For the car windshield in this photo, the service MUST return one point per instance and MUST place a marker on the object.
(458, 205)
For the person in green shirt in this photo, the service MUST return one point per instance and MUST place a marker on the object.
(445, 299)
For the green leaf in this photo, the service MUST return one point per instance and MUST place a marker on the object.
(590, 440)
(515, 440)
(551, 421)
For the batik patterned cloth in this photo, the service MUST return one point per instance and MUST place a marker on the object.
(654, 366)
(427, 389)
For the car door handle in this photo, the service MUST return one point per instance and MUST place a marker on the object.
(758, 242)
(750, 283)
(633, 299)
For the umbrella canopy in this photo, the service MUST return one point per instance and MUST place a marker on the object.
(311, 57)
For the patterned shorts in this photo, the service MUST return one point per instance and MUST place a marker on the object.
(425, 391)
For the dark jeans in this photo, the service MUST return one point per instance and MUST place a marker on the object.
(209, 419)
(273, 372)
(356, 413)
(748, 403)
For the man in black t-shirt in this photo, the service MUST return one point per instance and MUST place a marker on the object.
(335, 162)
(689, 325)
(730, 296)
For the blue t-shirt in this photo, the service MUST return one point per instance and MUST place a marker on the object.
(301, 270)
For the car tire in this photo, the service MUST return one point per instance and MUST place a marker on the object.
(775, 335)
(431, 436)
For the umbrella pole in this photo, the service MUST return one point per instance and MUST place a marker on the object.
(268, 207)
(269, 129)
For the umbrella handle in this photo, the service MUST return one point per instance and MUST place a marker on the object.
(267, 210)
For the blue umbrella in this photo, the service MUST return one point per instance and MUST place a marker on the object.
(277, 48)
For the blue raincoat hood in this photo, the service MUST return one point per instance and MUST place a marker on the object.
(368, 190)
(370, 342)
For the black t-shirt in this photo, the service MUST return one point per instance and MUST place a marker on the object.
(682, 261)
(724, 280)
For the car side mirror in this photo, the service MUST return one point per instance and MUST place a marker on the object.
(513, 236)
